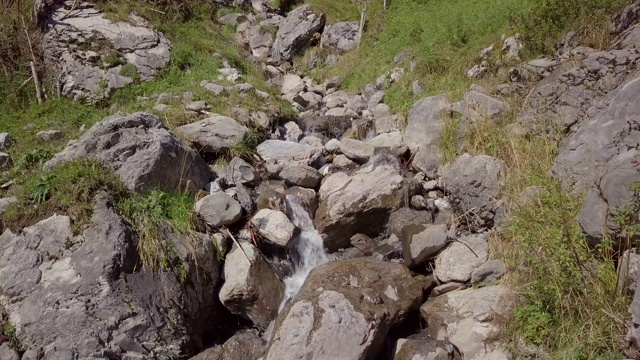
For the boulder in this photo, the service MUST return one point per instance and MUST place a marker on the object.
(5, 160)
(243, 345)
(215, 134)
(218, 209)
(341, 36)
(141, 150)
(251, 289)
(406, 216)
(422, 242)
(5, 140)
(8, 353)
(478, 106)
(461, 258)
(295, 32)
(232, 19)
(260, 41)
(488, 272)
(113, 54)
(307, 197)
(288, 153)
(356, 150)
(275, 227)
(469, 320)
(425, 122)
(475, 182)
(292, 84)
(421, 347)
(392, 141)
(350, 304)
(293, 132)
(48, 276)
(304, 176)
(357, 203)
(238, 171)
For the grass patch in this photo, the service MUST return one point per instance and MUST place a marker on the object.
(67, 189)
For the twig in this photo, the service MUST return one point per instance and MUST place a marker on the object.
(363, 16)
(36, 81)
(25, 82)
(238, 244)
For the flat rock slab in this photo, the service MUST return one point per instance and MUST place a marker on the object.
(215, 134)
(458, 261)
(304, 176)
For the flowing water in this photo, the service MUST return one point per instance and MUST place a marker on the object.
(309, 252)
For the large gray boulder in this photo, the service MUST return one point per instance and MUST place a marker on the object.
(142, 152)
(219, 209)
(422, 347)
(304, 176)
(469, 320)
(99, 66)
(89, 296)
(357, 203)
(422, 242)
(478, 106)
(349, 304)
(215, 134)
(475, 183)
(356, 150)
(295, 32)
(342, 36)
(251, 289)
(275, 227)
(458, 261)
(426, 122)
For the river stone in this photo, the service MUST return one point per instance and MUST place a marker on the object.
(304, 176)
(251, 289)
(357, 203)
(215, 134)
(275, 227)
(141, 150)
(219, 209)
(461, 258)
(422, 242)
(350, 304)
(295, 33)
(469, 320)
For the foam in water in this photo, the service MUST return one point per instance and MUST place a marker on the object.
(309, 252)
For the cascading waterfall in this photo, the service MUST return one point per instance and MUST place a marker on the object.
(309, 252)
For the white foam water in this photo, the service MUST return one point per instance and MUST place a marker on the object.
(309, 251)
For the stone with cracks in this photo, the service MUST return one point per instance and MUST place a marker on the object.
(215, 134)
(461, 258)
(140, 149)
(49, 277)
(275, 227)
(238, 171)
(488, 272)
(288, 153)
(304, 176)
(219, 209)
(251, 289)
(357, 203)
(245, 345)
(350, 304)
(342, 36)
(81, 69)
(469, 320)
(356, 150)
(422, 242)
(425, 122)
(295, 33)
(421, 347)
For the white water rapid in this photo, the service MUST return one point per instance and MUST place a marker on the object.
(309, 252)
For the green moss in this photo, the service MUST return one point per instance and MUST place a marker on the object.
(130, 70)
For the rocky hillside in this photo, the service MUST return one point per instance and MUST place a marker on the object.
(244, 180)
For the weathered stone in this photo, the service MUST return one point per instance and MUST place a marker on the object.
(288, 153)
(232, 19)
(468, 319)
(475, 182)
(344, 162)
(295, 33)
(445, 288)
(292, 84)
(215, 134)
(356, 150)
(358, 203)
(342, 36)
(140, 149)
(292, 132)
(50, 135)
(421, 348)
(6, 202)
(197, 106)
(238, 171)
(406, 216)
(307, 197)
(7, 353)
(5, 140)
(5, 160)
(275, 227)
(350, 304)
(422, 242)
(391, 140)
(461, 258)
(427, 160)
(488, 272)
(214, 88)
(251, 289)
(219, 209)
(628, 268)
(245, 345)
(134, 311)
(329, 126)
(304, 176)
(478, 106)
(88, 72)
(512, 47)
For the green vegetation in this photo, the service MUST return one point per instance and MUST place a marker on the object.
(11, 335)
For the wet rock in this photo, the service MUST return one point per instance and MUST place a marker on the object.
(295, 32)
(461, 258)
(342, 36)
(219, 209)
(251, 289)
(351, 304)
(275, 227)
(307, 197)
(140, 149)
(215, 134)
(422, 242)
(468, 319)
(356, 150)
(358, 203)
(304, 176)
